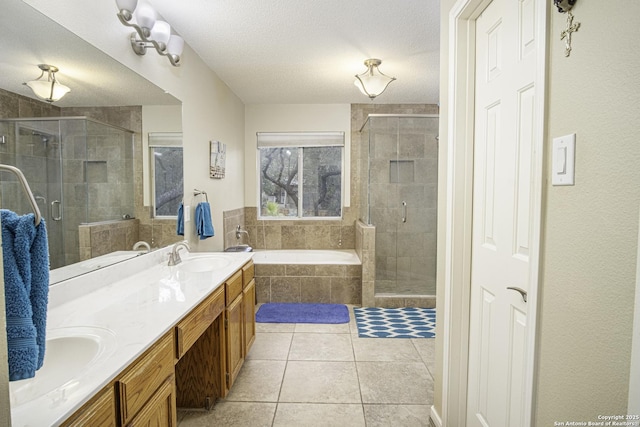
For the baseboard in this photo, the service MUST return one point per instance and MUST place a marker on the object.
(434, 418)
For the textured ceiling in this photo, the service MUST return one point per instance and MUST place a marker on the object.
(303, 51)
(266, 51)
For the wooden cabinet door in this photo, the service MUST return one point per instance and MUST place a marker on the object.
(249, 302)
(160, 411)
(99, 412)
(145, 377)
(233, 324)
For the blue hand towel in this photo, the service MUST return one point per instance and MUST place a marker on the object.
(26, 274)
(204, 225)
(180, 222)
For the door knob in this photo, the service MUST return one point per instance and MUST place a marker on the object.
(522, 292)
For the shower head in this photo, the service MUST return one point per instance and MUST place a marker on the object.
(43, 136)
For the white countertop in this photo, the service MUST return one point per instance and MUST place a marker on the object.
(138, 301)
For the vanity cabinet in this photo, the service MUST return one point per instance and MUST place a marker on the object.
(191, 328)
(191, 366)
(148, 386)
(234, 320)
(160, 410)
(249, 305)
(99, 411)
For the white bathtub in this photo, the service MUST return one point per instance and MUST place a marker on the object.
(306, 256)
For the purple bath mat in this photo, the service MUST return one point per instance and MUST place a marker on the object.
(276, 312)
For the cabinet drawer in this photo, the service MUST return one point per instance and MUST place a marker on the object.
(189, 329)
(234, 286)
(145, 376)
(248, 271)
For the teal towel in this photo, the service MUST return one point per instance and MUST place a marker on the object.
(25, 253)
(180, 222)
(204, 225)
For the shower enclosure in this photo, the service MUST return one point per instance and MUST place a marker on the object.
(399, 166)
(79, 170)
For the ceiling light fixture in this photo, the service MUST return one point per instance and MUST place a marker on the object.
(372, 82)
(150, 32)
(48, 88)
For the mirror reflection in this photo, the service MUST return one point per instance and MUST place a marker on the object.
(82, 156)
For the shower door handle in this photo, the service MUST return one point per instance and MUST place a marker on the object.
(404, 211)
(59, 210)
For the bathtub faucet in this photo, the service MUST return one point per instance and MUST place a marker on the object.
(142, 244)
(239, 232)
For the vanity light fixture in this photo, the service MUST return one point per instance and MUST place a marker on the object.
(150, 31)
(372, 82)
(48, 88)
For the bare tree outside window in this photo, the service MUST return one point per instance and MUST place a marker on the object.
(320, 186)
(165, 160)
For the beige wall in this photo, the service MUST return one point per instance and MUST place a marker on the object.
(590, 235)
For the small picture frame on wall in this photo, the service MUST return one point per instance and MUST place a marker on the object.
(218, 152)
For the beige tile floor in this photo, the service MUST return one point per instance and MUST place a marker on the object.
(325, 375)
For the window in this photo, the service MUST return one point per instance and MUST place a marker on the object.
(300, 174)
(165, 150)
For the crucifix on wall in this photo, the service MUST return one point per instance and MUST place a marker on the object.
(564, 6)
(566, 34)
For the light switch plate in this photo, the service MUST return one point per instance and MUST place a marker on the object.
(563, 160)
(187, 213)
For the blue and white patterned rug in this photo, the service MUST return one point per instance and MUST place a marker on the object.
(406, 322)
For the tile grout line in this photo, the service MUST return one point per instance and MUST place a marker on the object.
(284, 373)
(355, 362)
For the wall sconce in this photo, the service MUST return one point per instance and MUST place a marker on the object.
(48, 88)
(372, 82)
(150, 32)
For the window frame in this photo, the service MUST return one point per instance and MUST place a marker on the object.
(299, 140)
(161, 140)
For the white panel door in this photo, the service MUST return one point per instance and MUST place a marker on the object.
(503, 144)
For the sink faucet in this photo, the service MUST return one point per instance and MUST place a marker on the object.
(142, 244)
(174, 257)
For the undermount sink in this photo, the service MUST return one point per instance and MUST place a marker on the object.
(203, 264)
(69, 352)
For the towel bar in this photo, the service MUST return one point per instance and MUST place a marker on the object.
(197, 192)
(25, 186)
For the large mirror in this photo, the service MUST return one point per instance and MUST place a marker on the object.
(113, 101)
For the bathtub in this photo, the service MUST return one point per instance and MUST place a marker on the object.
(308, 275)
(306, 256)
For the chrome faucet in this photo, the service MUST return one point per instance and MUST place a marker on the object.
(174, 256)
(142, 244)
(240, 231)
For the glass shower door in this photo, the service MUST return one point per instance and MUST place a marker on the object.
(37, 153)
(402, 203)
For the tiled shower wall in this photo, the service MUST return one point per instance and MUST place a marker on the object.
(404, 252)
(157, 233)
(103, 238)
(366, 250)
